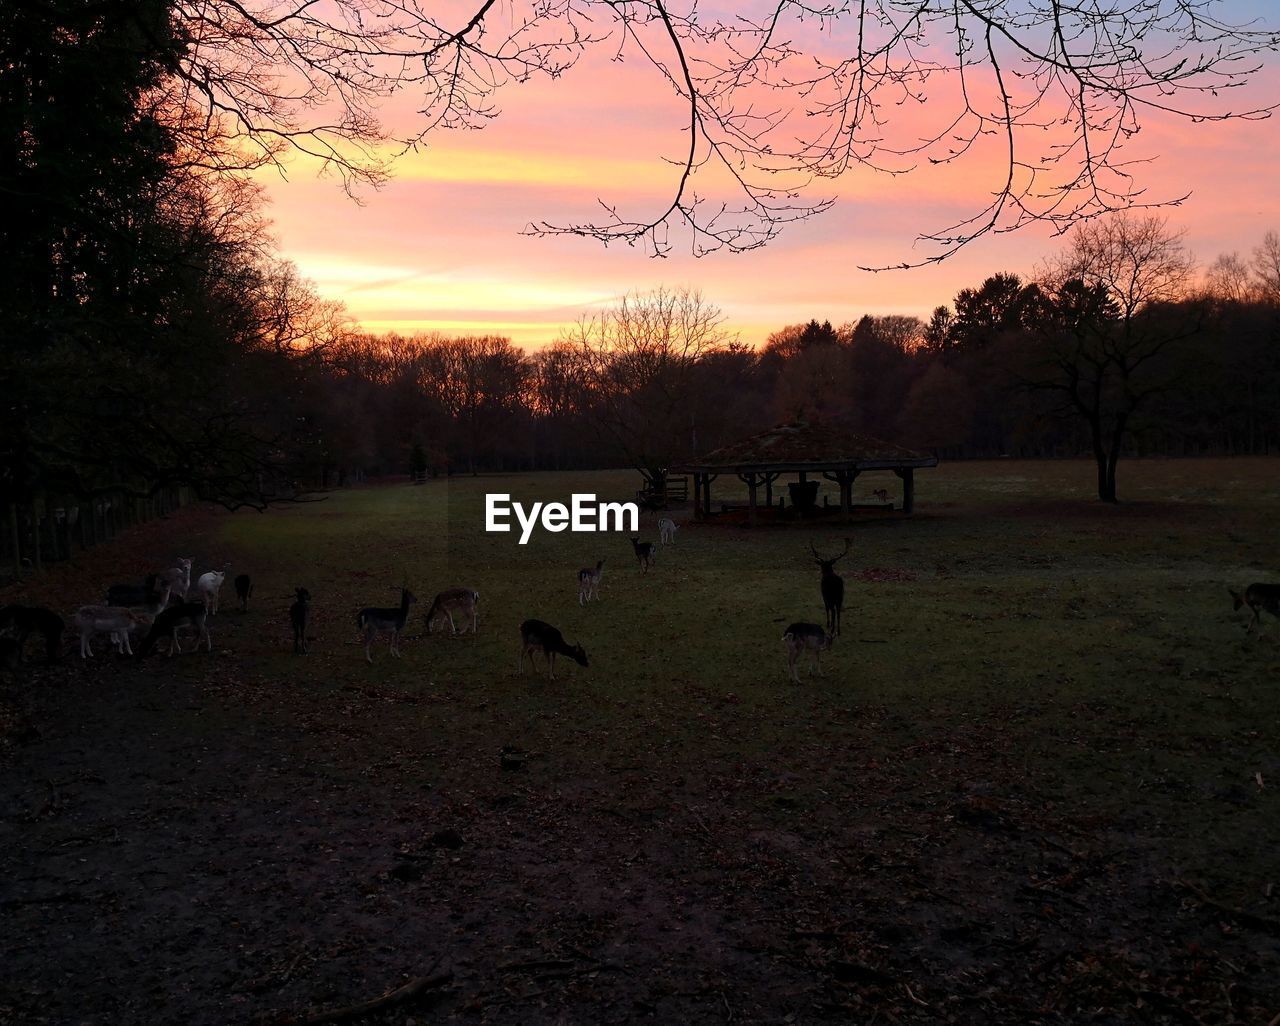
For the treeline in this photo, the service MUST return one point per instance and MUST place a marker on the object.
(987, 376)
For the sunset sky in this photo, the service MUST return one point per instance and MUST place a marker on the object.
(441, 248)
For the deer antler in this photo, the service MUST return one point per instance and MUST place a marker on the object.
(815, 552)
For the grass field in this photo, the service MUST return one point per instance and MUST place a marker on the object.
(1037, 782)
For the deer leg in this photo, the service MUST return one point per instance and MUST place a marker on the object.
(551, 664)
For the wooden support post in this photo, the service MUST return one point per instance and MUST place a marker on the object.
(907, 474)
(768, 478)
(752, 480)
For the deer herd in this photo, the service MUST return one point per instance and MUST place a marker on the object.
(168, 602)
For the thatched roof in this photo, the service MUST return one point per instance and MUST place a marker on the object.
(806, 446)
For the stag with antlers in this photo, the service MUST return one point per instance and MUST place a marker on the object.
(832, 587)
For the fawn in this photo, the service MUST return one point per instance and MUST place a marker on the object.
(646, 553)
(667, 531)
(28, 620)
(299, 613)
(801, 636)
(244, 588)
(167, 622)
(1258, 597)
(535, 635)
(373, 620)
(454, 600)
(589, 583)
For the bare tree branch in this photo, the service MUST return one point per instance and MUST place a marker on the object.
(1042, 98)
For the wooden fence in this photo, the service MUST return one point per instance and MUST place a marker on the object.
(54, 527)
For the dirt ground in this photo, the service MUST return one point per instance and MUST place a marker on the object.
(201, 841)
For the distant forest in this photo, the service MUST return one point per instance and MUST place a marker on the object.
(979, 378)
(154, 338)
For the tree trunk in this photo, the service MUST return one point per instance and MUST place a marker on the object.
(1106, 483)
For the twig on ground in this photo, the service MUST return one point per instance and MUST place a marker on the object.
(393, 997)
(1243, 915)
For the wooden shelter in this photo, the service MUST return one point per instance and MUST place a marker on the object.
(803, 448)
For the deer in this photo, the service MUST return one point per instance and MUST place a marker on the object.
(646, 553)
(667, 531)
(27, 620)
(244, 589)
(534, 635)
(454, 600)
(881, 495)
(832, 586)
(299, 612)
(373, 620)
(207, 587)
(134, 594)
(801, 636)
(1258, 597)
(589, 583)
(147, 612)
(168, 621)
(118, 621)
(179, 578)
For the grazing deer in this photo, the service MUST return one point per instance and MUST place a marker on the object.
(881, 495)
(244, 588)
(454, 600)
(534, 635)
(832, 587)
(298, 615)
(373, 620)
(589, 583)
(801, 636)
(667, 531)
(646, 553)
(27, 620)
(1258, 597)
(167, 622)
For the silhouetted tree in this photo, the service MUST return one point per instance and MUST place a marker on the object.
(639, 359)
(1112, 326)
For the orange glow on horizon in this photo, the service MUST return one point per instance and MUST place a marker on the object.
(441, 249)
